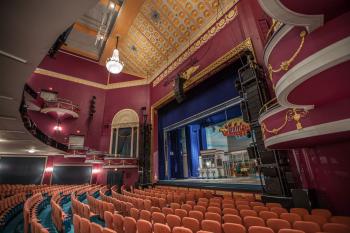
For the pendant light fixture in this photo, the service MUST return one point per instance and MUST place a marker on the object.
(113, 64)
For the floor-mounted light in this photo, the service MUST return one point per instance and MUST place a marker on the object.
(113, 64)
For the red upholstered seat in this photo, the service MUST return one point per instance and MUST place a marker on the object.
(233, 228)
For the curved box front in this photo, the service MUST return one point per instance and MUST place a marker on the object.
(284, 128)
(302, 67)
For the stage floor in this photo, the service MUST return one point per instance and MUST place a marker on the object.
(250, 183)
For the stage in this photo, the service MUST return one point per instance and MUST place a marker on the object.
(249, 184)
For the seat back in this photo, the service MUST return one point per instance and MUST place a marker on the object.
(233, 228)
(272, 204)
(129, 225)
(167, 210)
(245, 213)
(145, 215)
(322, 212)
(278, 210)
(186, 207)
(134, 213)
(299, 211)
(161, 228)
(336, 228)
(277, 224)
(191, 223)
(84, 225)
(341, 219)
(118, 223)
(214, 210)
(308, 227)
(253, 221)
(196, 214)
(158, 217)
(213, 216)
(143, 226)
(76, 223)
(230, 218)
(200, 208)
(290, 217)
(108, 217)
(181, 213)
(259, 229)
(181, 230)
(267, 215)
(173, 220)
(260, 208)
(229, 211)
(211, 226)
(95, 228)
(319, 219)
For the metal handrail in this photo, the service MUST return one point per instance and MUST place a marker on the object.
(62, 103)
(269, 105)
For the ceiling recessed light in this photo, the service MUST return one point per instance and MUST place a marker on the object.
(31, 151)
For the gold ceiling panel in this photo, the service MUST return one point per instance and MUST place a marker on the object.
(163, 30)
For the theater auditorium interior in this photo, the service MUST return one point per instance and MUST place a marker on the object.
(175, 116)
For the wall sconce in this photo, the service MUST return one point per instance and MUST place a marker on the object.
(49, 169)
(96, 170)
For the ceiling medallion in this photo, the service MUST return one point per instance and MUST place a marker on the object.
(114, 65)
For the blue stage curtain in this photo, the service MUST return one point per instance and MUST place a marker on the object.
(193, 149)
(207, 94)
(175, 161)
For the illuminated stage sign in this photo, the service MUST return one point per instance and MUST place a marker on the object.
(235, 127)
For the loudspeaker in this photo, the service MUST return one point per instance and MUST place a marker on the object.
(286, 202)
(251, 152)
(179, 89)
(273, 186)
(269, 171)
(303, 198)
(267, 157)
(244, 110)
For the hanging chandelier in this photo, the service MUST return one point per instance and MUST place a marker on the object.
(113, 64)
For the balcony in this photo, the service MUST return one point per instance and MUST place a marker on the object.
(310, 69)
(60, 109)
(286, 128)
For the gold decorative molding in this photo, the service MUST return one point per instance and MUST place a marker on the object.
(228, 17)
(73, 79)
(291, 115)
(285, 64)
(213, 67)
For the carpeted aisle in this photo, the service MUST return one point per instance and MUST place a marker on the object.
(15, 225)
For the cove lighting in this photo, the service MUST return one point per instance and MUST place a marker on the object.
(49, 169)
(96, 170)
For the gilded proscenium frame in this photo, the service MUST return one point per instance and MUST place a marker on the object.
(211, 69)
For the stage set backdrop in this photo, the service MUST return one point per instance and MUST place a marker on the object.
(198, 123)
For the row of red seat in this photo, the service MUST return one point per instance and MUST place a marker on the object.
(267, 214)
(29, 213)
(83, 225)
(57, 214)
(7, 190)
(79, 208)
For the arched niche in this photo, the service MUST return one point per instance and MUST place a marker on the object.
(124, 134)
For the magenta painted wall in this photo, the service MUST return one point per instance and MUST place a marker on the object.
(118, 99)
(325, 168)
(80, 95)
(82, 68)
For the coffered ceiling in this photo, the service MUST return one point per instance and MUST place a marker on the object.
(154, 36)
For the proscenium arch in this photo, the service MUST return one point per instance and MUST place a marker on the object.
(125, 118)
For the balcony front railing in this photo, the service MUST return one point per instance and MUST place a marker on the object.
(32, 127)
